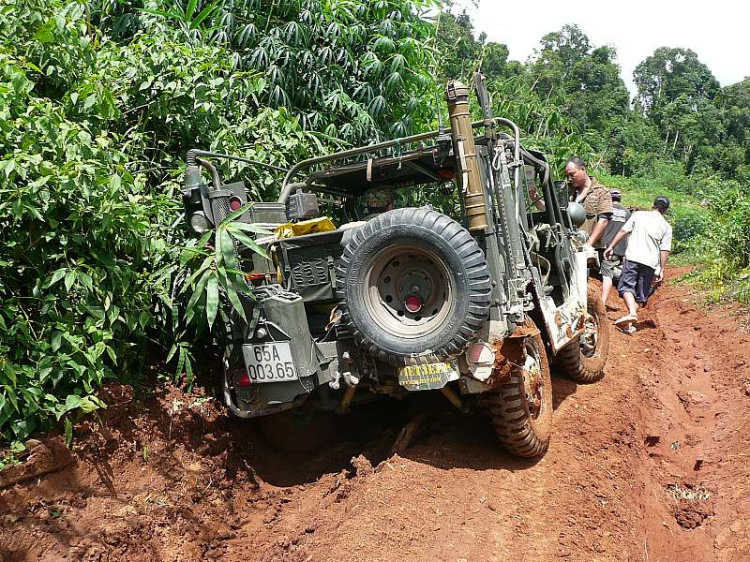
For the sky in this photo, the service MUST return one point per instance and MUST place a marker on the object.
(717, 30)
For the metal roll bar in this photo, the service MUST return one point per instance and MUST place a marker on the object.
(287, 187)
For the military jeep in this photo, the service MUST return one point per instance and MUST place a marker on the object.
(471, 298)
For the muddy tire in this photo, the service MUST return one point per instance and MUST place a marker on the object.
(414, 286)
(583, 360)
(521, 408)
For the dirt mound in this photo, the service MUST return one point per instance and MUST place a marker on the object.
(649, 464)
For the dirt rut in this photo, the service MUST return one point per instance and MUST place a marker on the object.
(652, 463)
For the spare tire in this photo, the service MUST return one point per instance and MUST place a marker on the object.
(414, 286)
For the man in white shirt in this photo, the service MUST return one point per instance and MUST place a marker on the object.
(649, 243)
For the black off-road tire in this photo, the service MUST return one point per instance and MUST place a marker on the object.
(413, 250)
(583, 363)
(521, 412)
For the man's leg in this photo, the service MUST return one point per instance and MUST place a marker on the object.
(606, 269)
(606, 288)
(629, 299)
(644, 285)
(627, 289)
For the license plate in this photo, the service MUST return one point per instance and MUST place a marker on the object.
(428, 377)
(269, 362)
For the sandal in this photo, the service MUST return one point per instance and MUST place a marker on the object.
(625, 320)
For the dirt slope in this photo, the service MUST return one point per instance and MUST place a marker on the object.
(652, 463)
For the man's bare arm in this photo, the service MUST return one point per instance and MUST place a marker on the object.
(598, 231)
(663, 258)
(611, 248)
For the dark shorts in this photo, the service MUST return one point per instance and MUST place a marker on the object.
(609, 267)
(636, 279)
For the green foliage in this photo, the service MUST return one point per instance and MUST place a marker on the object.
(675, 90)
(89, 253)
(670, 74)
(691, 222)
(726, 269)
(95, 121)
(77, 231)
(460, 54)
(691, 225)
(733, 103)
(583, 81)
(352, 70)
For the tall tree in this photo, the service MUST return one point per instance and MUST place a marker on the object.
(675, 90)
(460, 53)
(670, 73)
(583, 80)
(733, 104)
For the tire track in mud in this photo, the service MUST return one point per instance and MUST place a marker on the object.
(651, 463)
(637, 469)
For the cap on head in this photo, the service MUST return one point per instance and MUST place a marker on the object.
(616, 195)
(661, 203)
(378, 198)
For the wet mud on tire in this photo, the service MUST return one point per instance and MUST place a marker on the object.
(584, 360)
(521, 409)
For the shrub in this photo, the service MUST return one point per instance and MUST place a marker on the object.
(691, 224)
(87, 209)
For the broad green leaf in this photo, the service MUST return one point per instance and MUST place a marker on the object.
(207, 11)
(89, 404)
(72, 401)
(198, 291)
(59, 274)
(228, 287)
(70, 278)
(249, 242)
(56, 340)
(189, 370)
(180, 361)
(208, 262)
(68, 432)
(190, 10)
(236, 214)
(249, 228)
(225, 248)
(212, 299)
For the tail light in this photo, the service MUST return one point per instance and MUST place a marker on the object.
(241, 378)
(235, 203)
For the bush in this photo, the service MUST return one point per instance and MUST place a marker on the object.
(690, 226)
(87, 209)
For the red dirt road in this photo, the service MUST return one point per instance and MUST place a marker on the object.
(650, 464)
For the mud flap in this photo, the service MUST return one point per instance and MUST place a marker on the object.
(510, 353)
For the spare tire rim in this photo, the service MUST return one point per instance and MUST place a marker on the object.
(532, 379)
(409, 291)
(590, 337)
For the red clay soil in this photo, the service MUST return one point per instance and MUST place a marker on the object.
(650, 464)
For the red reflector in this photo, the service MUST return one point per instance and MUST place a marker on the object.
(235, 203)
(243, 380)
(445, 173)
(413, 303)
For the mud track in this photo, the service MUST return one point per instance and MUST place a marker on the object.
(652, 463)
